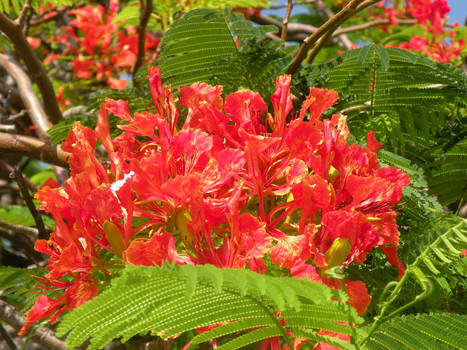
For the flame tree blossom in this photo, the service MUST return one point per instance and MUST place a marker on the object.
(234, 184)
(432, 15)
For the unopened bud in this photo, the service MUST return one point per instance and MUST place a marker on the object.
(181, 220)
(338, 252)
(333, 174)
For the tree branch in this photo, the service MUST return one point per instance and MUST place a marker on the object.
(296, 3)
(24, 14)
(318, 46)
(8, 169)
(292, 28)
(372, 24)
(18, 175)
(34, 148)
(42, 336)
(145, 14)
(11, 344)
(14, 33)
(344, 39)
(22, 237)
(34, 107)
(285, 22)
(331, 25)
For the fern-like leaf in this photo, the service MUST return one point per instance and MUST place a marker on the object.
(16, 5)
(391, 91)
(172, 300)
(430, 332)
(196, 42)
(448, 180)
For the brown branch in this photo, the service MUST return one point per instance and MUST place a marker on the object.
(331, 25)
(296, 3)
(14, 33)
(23, 15)
(11, 344)
(344, 39)
(8, 169)
(372, 24)
(57, 13)
(18, 175)
(34, 148)
(42, 336)
(24, 230)
(145, 14)
(285, 22)
(292, 28)
(22, 237)
(318, 46)
(34, 107)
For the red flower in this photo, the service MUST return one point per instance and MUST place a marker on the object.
(229, 187)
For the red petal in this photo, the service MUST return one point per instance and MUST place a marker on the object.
(43, 307)
(358, 296)
(323, 99)
(393, 259)
(159, 248)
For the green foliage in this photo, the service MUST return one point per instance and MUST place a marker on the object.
(175, 299)
(18, 285)
(20, 215)
(391, 91)
(59, 132)
(254, 67)
(430, 332)
(195, 43)
(416, 201)
(15, 281)
(16, 5)
(448, 178)
(437, 267)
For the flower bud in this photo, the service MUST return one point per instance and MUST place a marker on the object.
(181, 220)
(338, 252)
(333, 174)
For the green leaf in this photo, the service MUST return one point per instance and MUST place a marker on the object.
(195, 44)
(175, 299)
(430, 332)
(19, 215)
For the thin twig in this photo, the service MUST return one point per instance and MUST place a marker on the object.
(32, 103)
(285, 22)
(24, 13)
(42, 336)
(8, 169)
(354, 108)
(21, 240)
(329, 14)
(8, 128)
(24, 230)
(292, 28)
(18, 175)
(318, 46)
(52, 15)
(15, 34)
(33, 148)
(372, 24)
(11, 344)
(145, 13)
(296, 3)
(331, 25)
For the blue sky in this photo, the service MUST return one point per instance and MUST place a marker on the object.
(457, 14)
(458, 11)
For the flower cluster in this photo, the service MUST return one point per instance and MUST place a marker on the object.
(99, 48)
(229, 186)
(437, 43)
